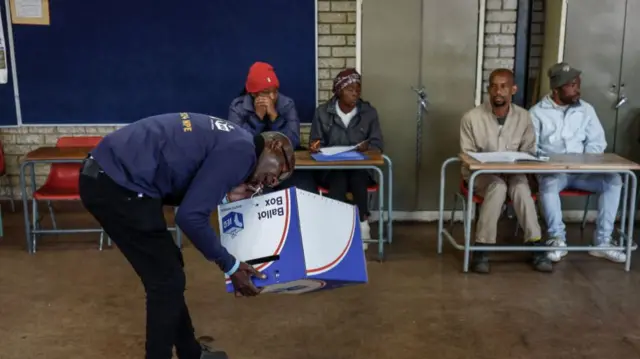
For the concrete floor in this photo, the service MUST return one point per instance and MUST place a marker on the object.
(72, 301)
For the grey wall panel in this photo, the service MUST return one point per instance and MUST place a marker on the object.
(449, 58)
(628, 125)
(390, 64)
(593, 43)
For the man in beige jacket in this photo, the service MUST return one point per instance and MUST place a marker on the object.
(502, 126)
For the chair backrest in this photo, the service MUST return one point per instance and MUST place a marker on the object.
(3, 165)
(66, 175)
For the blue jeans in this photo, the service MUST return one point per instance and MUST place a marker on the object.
(607, 186)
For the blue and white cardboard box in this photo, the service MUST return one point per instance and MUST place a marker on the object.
(302, 241)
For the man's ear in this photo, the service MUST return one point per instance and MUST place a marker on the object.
(514, 89)
(275, 145)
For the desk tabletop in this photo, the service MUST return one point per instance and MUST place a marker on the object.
(58, 153)
(304, 159)
(586, 161)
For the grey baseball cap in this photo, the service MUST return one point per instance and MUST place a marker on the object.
(561, 74)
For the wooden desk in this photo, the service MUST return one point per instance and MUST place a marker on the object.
(596, 162)
(568, 163)
(304, 159)
(58, 153)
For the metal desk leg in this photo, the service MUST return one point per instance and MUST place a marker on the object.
(443, 179)
(1, 224)
(390, 198)
(467, 227)
(623, 214)
(25, 205)
(632, 210)
(381, 214)
(35, 213)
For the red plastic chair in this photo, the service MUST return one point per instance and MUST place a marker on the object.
(579, 193)
(477, 199)
(370, 190)
(4, 177)
(62, 181)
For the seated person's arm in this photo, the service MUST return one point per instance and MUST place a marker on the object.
(316, 137)
(596, 142)
(240, 118)
(537, 128)
(529, 141)
(467, 140)
(217, 176)
(288, 123)
(375, 138)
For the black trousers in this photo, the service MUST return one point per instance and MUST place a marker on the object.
(340, 182)
(137, 226)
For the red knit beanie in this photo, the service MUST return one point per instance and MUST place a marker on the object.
(261, 77)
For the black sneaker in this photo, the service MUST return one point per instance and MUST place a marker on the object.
(539, 259)
(480, 262)
(208, 352)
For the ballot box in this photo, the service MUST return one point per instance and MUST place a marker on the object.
(302, 241)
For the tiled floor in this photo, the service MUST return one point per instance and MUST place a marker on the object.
(72, 301)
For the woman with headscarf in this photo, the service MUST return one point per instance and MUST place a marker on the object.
(262, 108)
(347, 120)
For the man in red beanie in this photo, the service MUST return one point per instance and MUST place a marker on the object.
(262, 108)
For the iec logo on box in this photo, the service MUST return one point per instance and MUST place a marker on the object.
(232, 223)
(303, 242)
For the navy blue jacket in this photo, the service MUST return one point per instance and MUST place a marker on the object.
(242, 113)
(186, 159)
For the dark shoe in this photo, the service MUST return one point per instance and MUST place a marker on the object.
(540, 260)
(208, 352)
(480, 262)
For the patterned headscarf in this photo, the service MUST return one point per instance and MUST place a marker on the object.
(345, 78)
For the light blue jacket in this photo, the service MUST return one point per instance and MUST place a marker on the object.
(561, 129)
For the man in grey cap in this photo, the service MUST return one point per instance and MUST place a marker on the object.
(564, 123)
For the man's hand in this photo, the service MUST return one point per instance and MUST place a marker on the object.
(269, 105)
(363, 146)
(260, 106)
(239, 193)
(241, 280)
(315, 146)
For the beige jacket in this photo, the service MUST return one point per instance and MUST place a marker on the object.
(480, 132)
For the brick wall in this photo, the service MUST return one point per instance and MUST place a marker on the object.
(500, 37)
(336, 42)
(336, 50)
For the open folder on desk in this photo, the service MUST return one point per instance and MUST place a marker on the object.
(342, 156)
(339, 153)
(488, 157)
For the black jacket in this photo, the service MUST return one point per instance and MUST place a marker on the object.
(330, 130)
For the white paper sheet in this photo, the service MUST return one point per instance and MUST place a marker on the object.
(28, 8)
(334, 150)
(486, 157)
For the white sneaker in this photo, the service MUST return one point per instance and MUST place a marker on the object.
(556, 256)
(613, 255)
(365, 233)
